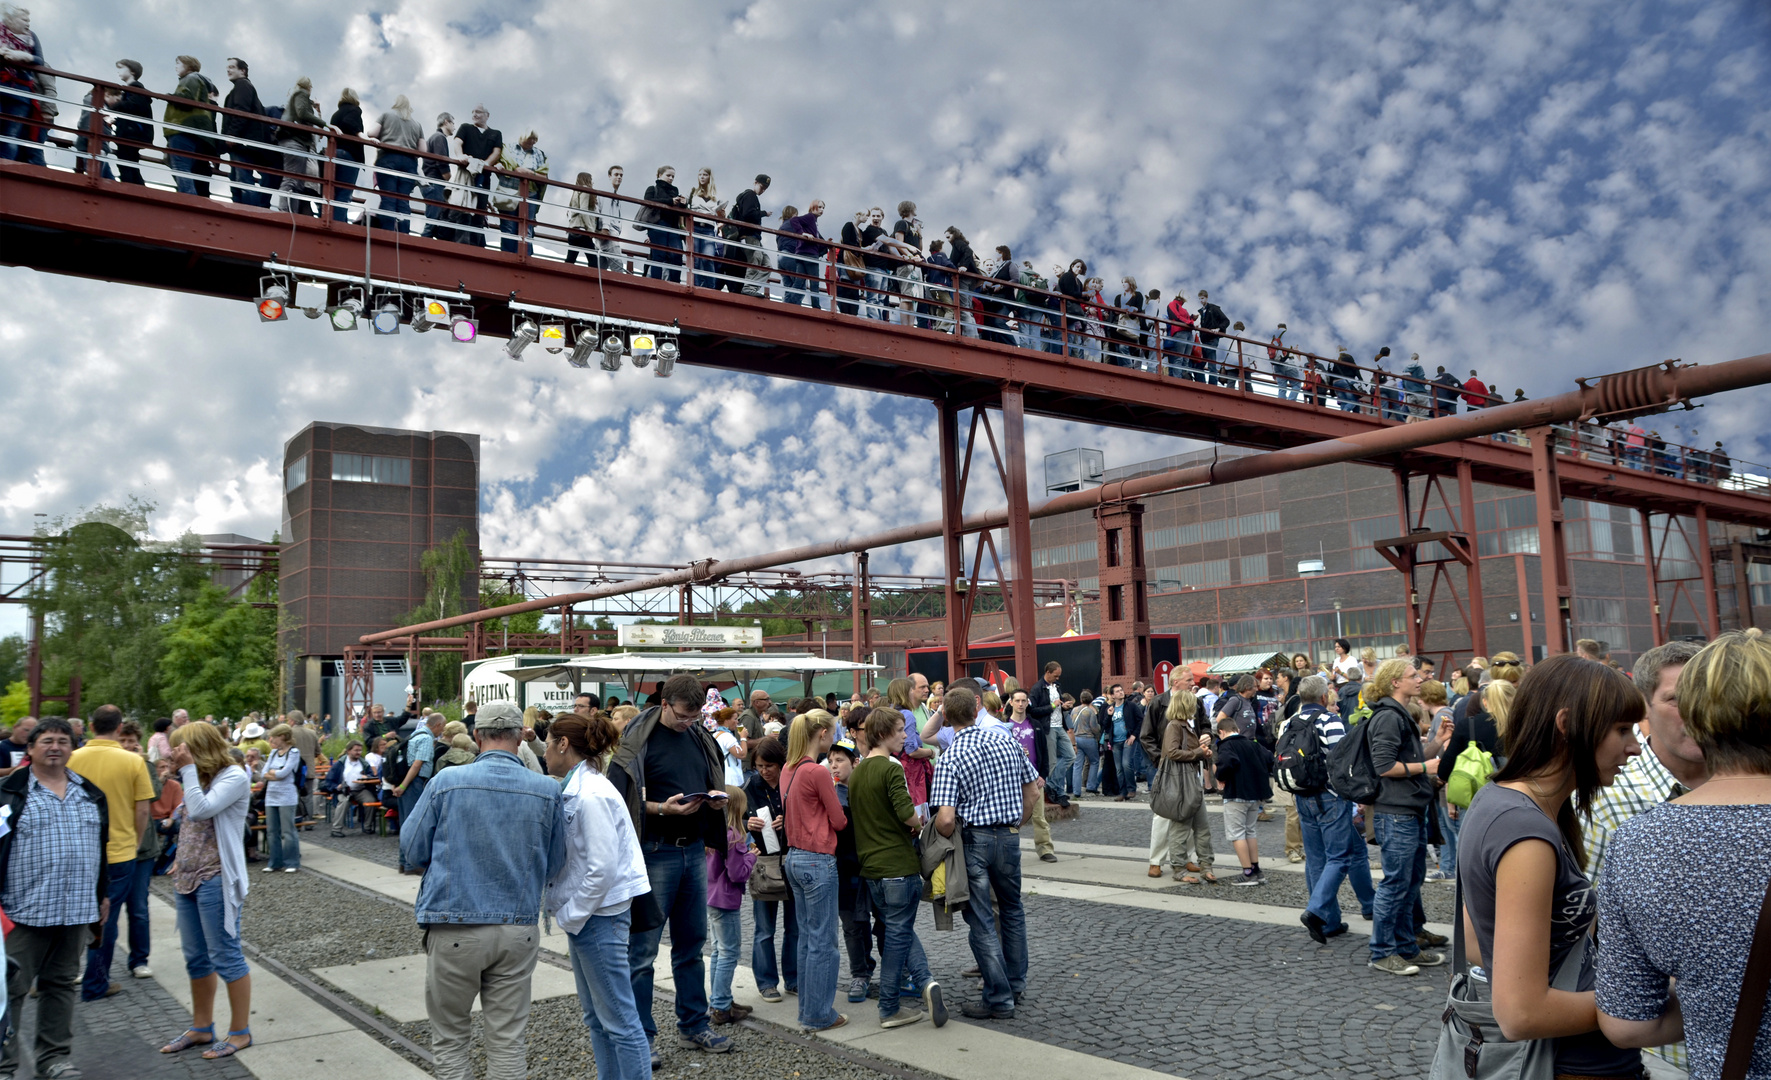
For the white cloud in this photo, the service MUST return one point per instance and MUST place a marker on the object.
(1535, 191)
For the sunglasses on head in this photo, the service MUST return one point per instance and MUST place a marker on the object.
(1506, 663)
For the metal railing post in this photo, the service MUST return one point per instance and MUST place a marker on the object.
(328, 182)
(95, 136)
(522, 220)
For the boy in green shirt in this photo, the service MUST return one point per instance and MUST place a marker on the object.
(884, 821)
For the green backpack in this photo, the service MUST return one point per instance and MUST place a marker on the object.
(1469, 772)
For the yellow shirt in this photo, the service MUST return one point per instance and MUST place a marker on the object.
(123, 777)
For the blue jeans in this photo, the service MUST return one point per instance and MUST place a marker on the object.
(762, 945)
(800, 277)
(605, 992)
(138, 912)
(435, 208)
(98, 961)
(211, 946)
(706, 248)
(395, 176)
(993, 866)
(251, 186)
(896, 900)
(1448, 827)
(667, 251)
(409, 802)
(1288, 381)
(279, 836)
(679, 884)
(1397, 915)
(1063, 763)
(1333, 851)
(727, 933)
(812, 877)
(343, 176)
(508, 225)
(13, 111)
(1129, 759)
(1088, 764)
(180, 151)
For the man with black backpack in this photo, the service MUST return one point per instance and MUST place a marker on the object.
(1406, 787)
(1333, 849)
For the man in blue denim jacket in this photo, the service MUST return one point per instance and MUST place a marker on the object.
(488, 837)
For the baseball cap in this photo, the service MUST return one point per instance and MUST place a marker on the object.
(498, 715)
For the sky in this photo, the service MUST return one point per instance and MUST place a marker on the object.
(1536, 190)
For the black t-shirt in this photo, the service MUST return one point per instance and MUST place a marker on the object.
(873, 259)
(349, 119)
(749, 210)
(911, 236)
(675, 764)
(479, 144)
(759, 793)
(11, 753)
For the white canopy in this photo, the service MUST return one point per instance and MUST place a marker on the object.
(733, 667)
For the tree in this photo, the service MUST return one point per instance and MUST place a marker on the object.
(220, 656)
(13, 654)
(450, 568)
(107, 595)
(16, 702)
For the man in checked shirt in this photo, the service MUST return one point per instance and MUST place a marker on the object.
(986, 787)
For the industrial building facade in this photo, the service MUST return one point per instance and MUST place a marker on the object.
(1288, 563)
(361, 505)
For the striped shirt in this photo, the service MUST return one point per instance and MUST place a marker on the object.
(981, 777)
(1330, 728)
(52, 876)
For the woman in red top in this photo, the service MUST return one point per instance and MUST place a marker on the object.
(814, 816)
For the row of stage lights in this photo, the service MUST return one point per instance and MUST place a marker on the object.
(584, 340)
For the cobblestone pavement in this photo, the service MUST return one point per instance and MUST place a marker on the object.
(1190, 995)
(119, 1038)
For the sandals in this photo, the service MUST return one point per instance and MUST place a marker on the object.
(228, 1049)
(1210, 878)
(1187, 879)
(185, 1042)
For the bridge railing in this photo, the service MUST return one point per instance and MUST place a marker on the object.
(308, 172)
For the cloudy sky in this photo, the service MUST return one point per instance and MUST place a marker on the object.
(1537, 190)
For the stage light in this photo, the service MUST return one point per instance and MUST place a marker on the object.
(584, 345)
(310, 297)
(464, 329)
(641, 347)
(433, 313)
(667, 356)
(612, 353)
(553, 337)
(522, 338)
(387, 314)
(273, 299)
(348, 310)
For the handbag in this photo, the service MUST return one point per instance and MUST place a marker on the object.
(1750, 1010)
(768, 879)
(1471, 1046)
(1177, 791)
(854, 267)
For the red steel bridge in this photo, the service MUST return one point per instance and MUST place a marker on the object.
(75, 219)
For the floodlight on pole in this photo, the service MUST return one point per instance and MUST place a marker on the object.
(348, 310)
(584, 346)
(462, 326)
(432, 312)
(667, 357)
(273, 298)
(386, 319)
(612, 350)
(524, 336)
(641, 347)
(553, 337)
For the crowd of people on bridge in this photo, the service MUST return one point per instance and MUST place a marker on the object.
(1557, 796)
(472, 181)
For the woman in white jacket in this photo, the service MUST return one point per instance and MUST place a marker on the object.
(592, 896)
(209, 878)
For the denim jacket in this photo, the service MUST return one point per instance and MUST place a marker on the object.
(488, 836)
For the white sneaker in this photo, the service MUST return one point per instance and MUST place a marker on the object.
(142, 972)
(268, 870)
(291, 869)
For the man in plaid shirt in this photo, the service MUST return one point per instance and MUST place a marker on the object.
(986, 787)
(1671, 765)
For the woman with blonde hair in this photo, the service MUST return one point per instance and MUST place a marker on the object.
(814, 817)
(583, 224)
(297, 142)
(704, 201)
(396, 164)
(209, 886)
(282, 801)
(1683, 884)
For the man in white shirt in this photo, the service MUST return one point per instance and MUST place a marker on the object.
(352, 779)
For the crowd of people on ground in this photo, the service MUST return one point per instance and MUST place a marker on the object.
(1556, 796)
(472, 182)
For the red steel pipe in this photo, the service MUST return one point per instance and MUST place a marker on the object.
(1630, 392)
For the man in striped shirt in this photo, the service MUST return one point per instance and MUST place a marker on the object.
(1333, 849)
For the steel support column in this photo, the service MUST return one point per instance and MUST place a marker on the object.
(952, 549)
(1649, 558)
(1706, 566)
(1124, 615)
(1743, 586)
(860, 618)
(1417, 634)
(1466, 520)
(1552, 549)
(1020, 541)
